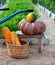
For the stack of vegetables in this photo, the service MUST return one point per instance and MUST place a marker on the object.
(16, 48)
(10, 37)
(31, 25)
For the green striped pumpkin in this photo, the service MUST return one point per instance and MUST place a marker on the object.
(31, 17)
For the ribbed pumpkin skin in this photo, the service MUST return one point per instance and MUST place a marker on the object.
(42, 26)
(35, 28)
(28, 28)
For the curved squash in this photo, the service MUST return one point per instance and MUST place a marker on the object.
(31, 17)
(6, 33)
(14, 38)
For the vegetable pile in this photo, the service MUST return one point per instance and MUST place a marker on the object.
(10, 37)
(31, 26)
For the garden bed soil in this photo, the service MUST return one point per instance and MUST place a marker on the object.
(47, 57)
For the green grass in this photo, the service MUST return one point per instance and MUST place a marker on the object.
(34, 1)
(16, 5)
(49, 4)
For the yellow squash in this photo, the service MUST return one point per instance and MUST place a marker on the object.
(6, 33)
(31, 17)
(14, 38)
